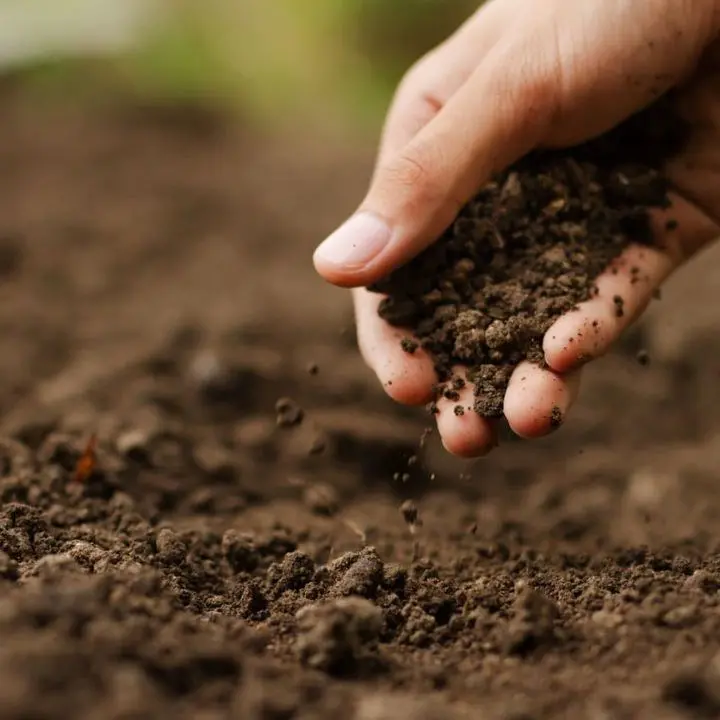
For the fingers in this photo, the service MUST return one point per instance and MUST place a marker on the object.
(462, 431)
(433, 80)
(408, 378)
(536, 403)
(625, 290)
(557, 75)
(538, 400)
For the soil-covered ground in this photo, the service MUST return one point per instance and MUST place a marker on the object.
(157, 295)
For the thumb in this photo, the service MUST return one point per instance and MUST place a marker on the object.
(417, 191)
(537, 86)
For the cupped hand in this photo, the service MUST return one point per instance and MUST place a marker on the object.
(517, 76)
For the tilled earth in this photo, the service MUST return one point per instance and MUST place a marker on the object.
(157, 296)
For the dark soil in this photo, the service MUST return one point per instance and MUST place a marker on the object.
(211, 562)
(527, 249)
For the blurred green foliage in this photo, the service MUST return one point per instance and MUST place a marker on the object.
(279, 59)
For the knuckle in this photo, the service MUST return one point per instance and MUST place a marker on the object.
(413, 78)
(415, 176)
(408, 171)
(419, 72)
(424, 81)
(536, 94)
(530, 86)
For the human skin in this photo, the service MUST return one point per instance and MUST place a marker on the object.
(519, 75)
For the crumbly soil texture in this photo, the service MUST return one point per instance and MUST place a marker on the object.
(527, 249)
(208, 509)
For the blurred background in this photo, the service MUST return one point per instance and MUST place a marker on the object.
(109, 207)
(327, 58)
(149, 147)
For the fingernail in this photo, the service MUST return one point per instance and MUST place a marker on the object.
(355, 243)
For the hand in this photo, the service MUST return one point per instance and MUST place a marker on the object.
(517, 76)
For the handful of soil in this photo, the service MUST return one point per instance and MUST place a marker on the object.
(527, 249)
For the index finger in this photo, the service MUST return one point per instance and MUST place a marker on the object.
(434, 79)
(626, 288)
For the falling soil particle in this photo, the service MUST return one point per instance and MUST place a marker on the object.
(289, 413)
(643, 357)
(527, 249)
(410, 513)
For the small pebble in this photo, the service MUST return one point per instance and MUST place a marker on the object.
(289, 413)
(643, 358)
(410, 513)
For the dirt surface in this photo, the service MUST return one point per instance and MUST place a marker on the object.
(221, 558)
(527, 249)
